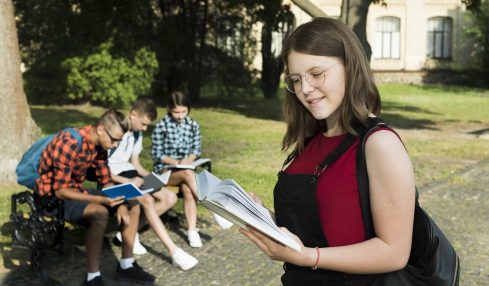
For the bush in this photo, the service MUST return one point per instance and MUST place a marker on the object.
(104, 79)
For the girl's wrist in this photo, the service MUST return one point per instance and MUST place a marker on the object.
(311, 257)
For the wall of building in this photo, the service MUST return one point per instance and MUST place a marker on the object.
(413, 16)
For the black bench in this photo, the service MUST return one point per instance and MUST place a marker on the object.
(37, 231)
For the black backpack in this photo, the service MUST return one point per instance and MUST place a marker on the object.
(433, 260)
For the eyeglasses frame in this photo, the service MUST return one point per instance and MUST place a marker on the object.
(112, 139)
(304, 75)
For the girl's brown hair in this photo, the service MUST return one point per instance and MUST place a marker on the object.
(178, 98)
(331, 38)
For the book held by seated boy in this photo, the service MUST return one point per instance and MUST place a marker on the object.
(192, 165)
(152, 183)
(227, 199)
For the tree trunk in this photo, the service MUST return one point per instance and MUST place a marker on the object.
(354, 14)
(308, 7)
(19, 130)
(271, 65)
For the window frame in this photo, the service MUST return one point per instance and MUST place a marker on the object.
(386, 38)
(437, 37)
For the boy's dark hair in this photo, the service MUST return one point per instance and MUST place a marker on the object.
(178, 98)
(144, 105)
(112, 118)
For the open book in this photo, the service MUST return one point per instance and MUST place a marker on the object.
(227, 199)
(193, 165)
(152, 183)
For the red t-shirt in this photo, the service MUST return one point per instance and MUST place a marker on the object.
(337, 190)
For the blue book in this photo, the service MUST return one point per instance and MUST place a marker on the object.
(128, 190)
(152, 183)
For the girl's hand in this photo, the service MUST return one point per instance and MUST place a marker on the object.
(186, 161)
(277, 251)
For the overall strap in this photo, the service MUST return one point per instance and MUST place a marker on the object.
(330, 158)
(333, 156)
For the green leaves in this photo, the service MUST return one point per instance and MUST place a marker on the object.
(109, 80)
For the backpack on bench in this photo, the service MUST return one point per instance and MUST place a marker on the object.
(27, 169)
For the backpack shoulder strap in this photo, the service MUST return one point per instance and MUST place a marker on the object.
(362, 175)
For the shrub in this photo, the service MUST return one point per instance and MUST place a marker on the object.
(104, 79)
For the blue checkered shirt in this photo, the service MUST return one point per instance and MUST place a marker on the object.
(175, 140)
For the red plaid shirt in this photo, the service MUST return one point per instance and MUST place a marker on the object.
(63, 165)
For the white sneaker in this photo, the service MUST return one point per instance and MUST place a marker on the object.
(183, 260)
(194, 238)
(138, 248)
(222, 222)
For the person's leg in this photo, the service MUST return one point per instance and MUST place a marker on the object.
(186, 180)
(165, 200)
(153, 208)
(129, 228)
(128, 270)
(154, 205)
(97, 216)
(138, 247)
(189, 207)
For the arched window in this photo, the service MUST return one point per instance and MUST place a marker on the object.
(440, 38)
(387, 38)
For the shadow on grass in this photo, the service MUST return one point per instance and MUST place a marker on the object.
(68, 267)
(271, 109)
(54, 119)
(259, 108)
(17, 261)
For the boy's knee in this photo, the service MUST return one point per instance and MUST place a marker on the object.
(171, 198)
(134, 210)
(97, 214)
(147, 201)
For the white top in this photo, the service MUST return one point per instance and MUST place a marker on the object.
(119, 158)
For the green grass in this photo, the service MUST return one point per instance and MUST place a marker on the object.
(243, 135)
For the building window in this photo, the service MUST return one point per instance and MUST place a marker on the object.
(387, 38)
(440, 38)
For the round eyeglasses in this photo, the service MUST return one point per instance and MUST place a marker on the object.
(315, 77)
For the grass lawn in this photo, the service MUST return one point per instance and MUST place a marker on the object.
(439, 126)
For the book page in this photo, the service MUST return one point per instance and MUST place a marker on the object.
(205, 181)
(193, 165)
(229, 200)
(232, 210)
(200, 161)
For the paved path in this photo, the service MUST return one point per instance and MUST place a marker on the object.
(460, 205)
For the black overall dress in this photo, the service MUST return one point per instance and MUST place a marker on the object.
(296, 209)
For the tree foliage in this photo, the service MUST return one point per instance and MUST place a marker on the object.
(108, 80)
(85, 50)
(479, 31)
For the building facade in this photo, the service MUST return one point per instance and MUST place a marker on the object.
(410, 35)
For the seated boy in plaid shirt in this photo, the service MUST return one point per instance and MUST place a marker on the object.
(63, 169)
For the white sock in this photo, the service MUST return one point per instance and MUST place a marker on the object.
(126, 262)
(92, 275)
